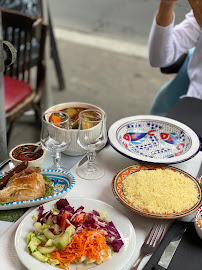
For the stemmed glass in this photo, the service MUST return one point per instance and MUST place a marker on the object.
(92, 136)
(55, 135)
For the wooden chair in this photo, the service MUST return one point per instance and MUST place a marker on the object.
(24, 80)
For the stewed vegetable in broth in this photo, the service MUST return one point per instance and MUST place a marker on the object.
(73, 113)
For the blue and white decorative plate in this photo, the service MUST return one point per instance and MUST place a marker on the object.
(154, 139)
(63, 182)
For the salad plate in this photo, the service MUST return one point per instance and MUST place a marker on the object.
(119, 260)
(154, 139)
(117, 188)
(63, 182)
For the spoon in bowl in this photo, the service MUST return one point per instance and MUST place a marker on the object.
(31, 154)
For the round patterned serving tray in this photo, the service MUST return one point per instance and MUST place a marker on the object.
(154, 139)
(62, 183)
(119, 193)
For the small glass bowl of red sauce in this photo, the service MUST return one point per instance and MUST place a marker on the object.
(21, 153)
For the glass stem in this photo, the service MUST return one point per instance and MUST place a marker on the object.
(56, 159)
(91, 161)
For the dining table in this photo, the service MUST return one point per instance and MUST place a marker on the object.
(101, 189)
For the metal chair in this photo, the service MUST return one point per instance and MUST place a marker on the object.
(24, 80)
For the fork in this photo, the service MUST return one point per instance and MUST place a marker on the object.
(150, 244)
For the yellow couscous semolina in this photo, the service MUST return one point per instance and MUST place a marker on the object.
(160, 191)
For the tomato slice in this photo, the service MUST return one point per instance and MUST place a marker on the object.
(80, 218)
(64, 222)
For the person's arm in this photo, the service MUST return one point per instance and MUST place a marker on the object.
(168, 42)
(165, 13)
(196, 6)
(160, 38)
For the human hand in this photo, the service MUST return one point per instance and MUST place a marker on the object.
(196, 6)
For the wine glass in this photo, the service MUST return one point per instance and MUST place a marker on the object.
(92, 136)
(55, 135)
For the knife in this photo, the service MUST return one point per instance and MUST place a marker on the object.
(169, 252)
(198, 177)
(4, 163)
(83, 160)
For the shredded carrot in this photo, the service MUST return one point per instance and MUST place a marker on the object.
(87, 243)
(56, 119)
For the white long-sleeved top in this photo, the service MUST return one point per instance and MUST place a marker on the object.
(167, 44)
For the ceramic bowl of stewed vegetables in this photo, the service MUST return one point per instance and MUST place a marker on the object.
(73, 109)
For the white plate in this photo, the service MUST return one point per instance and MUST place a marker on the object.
(62, 183)
(118, 261)
(154, 139)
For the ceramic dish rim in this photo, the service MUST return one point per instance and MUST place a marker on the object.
(72, 104)
(30, 161)
(133, 236)
(112, 136)
(43, 199)
(141, 212)
(198, 212)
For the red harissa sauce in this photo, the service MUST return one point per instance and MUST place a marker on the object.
(24, 156)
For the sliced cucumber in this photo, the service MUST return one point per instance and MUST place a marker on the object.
(50, 221)
(56, 228)
(42, 238)
(30, 235)
(35, 217)
(40, 257)
(38, 227)
(62, 241)
(49, 243)
(48, 234)
(33, 244)
(46, 250)
(45, 226)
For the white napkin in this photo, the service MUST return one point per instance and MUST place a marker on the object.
(8, 256)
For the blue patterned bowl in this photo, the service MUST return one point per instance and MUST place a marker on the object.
(198, 222)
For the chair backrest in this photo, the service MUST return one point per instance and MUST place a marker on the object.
(170, 93)
(27, 34)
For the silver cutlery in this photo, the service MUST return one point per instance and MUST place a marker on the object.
(169, 251)
(198, 177)
(83, 160)
(4, 163)
(150, 244)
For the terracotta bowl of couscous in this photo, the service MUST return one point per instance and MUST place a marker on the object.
(157, 191)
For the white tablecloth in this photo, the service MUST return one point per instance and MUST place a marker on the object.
(99, 189)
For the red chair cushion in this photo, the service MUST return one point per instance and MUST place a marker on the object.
(15, 92)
